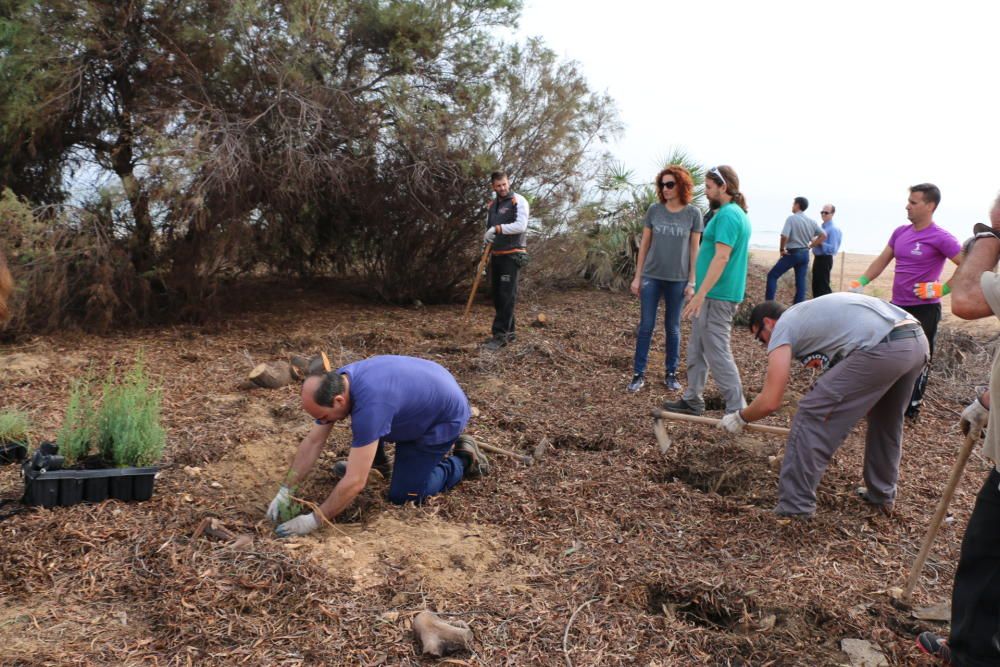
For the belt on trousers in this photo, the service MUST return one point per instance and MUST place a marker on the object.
(905, 331)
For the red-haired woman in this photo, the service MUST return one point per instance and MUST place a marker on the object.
(665, 268)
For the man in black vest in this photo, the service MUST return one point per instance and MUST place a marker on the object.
(506, 229)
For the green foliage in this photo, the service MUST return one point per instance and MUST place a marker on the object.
(291, 509)
(128, 421)
(14, 426)
(79, 428)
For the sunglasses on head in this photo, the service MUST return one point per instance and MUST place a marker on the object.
(669, 185)
(715, 170)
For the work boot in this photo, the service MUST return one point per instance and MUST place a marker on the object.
(671, 382)
(883, 508)
(798, 516)
(683, 407)
(494, 344)
(934, 646)
(475, 462)
(637, 383)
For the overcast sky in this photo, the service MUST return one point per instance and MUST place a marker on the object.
(846, 102)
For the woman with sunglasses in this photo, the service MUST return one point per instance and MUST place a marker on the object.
(664, 270)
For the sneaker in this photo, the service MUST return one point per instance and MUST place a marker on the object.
(384, 469)
(671, 381)
(912, 412)
(934, 646)
(494, 344)
(476, 463)
(883, 508)
(684, 407)
(637, 383)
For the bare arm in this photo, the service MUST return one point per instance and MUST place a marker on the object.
(782, 240)
(967, 299)
(647, 239)
(695, 243)
(715, 269)
(876, 268)
(359, 462)
(779, 363)
(307, 453)
(818, 240)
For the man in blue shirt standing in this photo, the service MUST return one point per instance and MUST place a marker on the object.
(825, 252)
(412, 402)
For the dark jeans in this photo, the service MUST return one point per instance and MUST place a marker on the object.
(503, 270)
(822, 266)
(797, 259)
(975, 601)
(929, 315)
(421, 471)
(650, 292)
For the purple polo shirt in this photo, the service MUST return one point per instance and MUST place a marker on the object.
(920, 257)
(404, 399)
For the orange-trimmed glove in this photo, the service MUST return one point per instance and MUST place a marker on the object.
(934, 290)
(858, 286)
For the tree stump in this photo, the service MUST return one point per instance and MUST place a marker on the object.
(271, 376)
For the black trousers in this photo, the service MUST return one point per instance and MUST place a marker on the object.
(503, 276)
(975, 601)
(822, 266)
(929, 315)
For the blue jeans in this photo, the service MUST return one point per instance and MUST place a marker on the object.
(420, 471)
(650, 291)
(797, 259)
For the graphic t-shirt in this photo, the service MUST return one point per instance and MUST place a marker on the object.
(403, 400)
(920, 256)
(729, 226)
(669, 255)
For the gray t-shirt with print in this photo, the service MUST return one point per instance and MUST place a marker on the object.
(669, 254)
(835, 325)
(800, 229)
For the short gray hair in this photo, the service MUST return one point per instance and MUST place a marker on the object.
(331, 385)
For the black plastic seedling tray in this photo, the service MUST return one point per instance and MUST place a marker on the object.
(12, 452)
(51, 488)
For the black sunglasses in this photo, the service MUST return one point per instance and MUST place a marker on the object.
(669, 185)
(826, 212)
(757, 334)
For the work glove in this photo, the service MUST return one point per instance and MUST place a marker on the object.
(491, 233)
(279, 504)
(303, 524)
(857, 287)
(975, 414)
(732, 422)
(934, 290)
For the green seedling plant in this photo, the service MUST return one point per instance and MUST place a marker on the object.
(291, 509)
(79, 428)
(128, 422)
(14, 426)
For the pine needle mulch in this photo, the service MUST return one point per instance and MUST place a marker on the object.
(603, 553)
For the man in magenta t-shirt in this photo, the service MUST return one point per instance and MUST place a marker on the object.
(920, 250)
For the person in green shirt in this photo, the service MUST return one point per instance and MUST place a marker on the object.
(721, 280)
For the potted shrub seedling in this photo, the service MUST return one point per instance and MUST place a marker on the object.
(13, 436)
(109, 445)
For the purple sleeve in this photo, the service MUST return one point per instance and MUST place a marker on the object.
(895, 234)
(369, 423)
(948, 245)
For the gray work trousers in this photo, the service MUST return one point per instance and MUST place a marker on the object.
(709, 349)
(877, 382)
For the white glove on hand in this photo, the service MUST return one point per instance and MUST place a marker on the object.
(300, 525)
(975, 414)
(732, 422)
(278, 504)
(856, 287)
(491, 233)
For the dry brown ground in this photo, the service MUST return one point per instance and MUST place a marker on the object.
(673, 560)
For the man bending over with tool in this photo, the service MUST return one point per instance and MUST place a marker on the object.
(874, 352)
(975, 599)
(414, 403)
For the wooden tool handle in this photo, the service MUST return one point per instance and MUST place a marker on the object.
(932, 530)
(475, 282)
(523, 458)
(708, 421)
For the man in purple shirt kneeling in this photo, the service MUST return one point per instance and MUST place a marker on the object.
(412, 402)
(920, 250)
